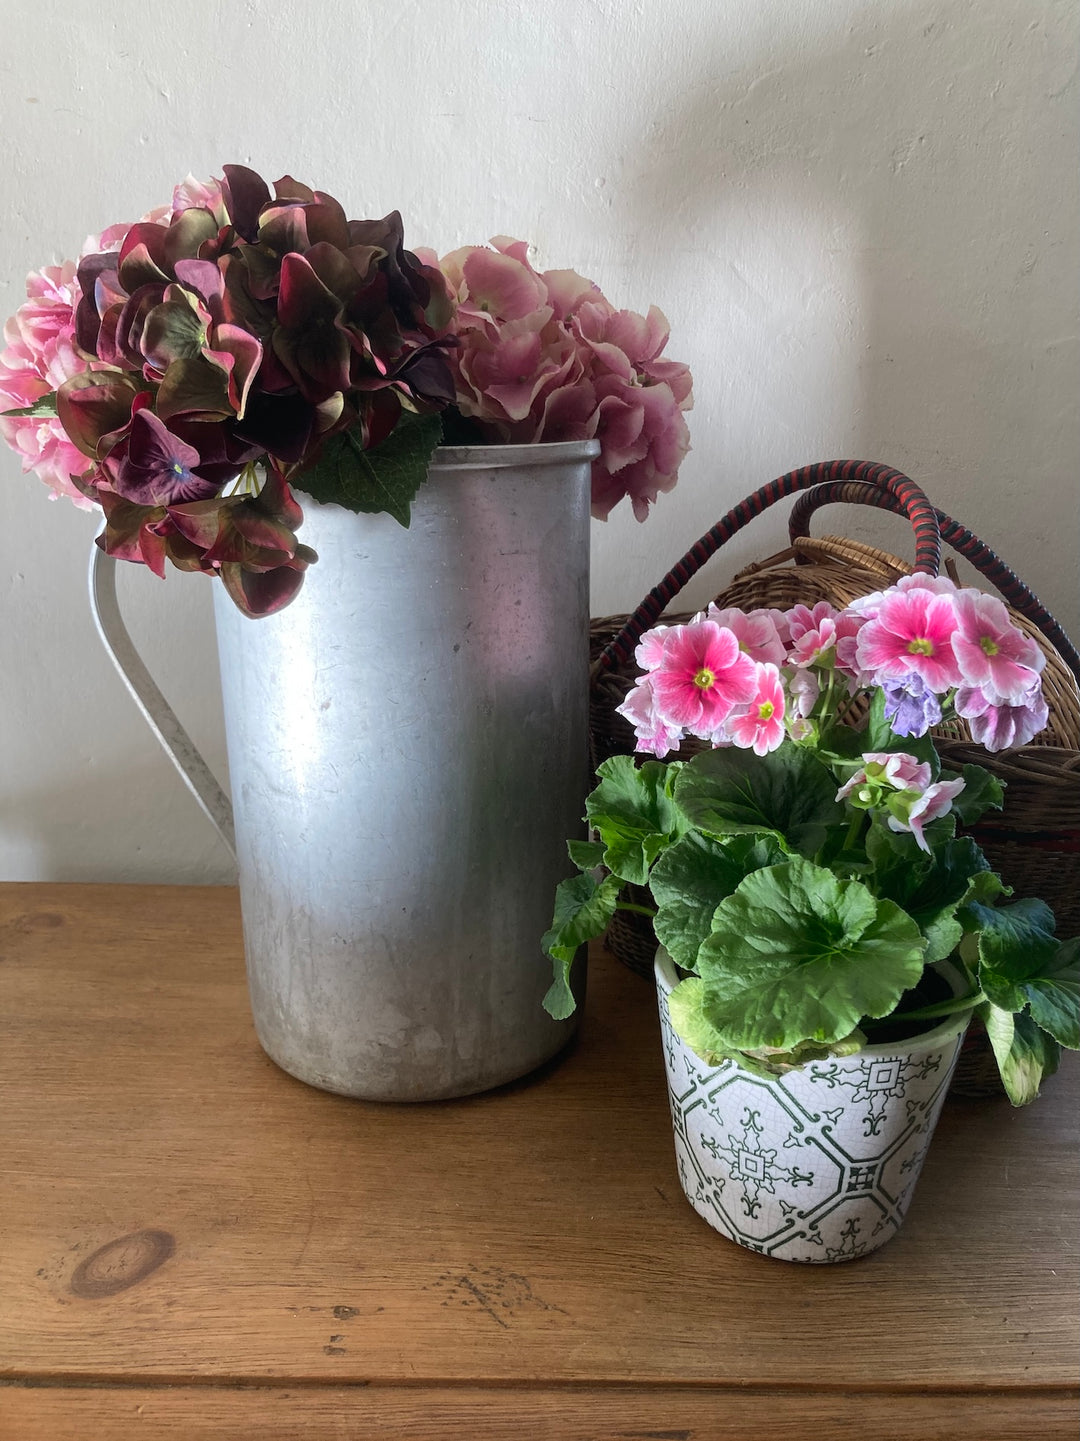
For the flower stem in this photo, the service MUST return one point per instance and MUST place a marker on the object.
(939, 1008)
(637, 910)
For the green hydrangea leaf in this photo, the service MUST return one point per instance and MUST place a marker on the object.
(385, 478)
(690, 880)
(787, 793)
(583, 910)
(798, 955)
(42, 408)
(1024, 1052)
(633, 813)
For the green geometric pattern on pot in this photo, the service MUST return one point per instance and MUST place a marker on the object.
(816, 1166)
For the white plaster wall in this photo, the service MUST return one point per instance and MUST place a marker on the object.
(860, 217)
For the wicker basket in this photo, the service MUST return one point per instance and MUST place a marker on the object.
(1035, 841)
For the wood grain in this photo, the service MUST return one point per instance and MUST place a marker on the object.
(238, 1226)
(339, 1413)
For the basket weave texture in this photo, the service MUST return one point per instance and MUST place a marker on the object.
(1034, 842)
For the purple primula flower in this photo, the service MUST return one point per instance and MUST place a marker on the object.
(997, 727)
(911, 707)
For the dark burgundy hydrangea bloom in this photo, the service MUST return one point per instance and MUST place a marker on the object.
(240, 328)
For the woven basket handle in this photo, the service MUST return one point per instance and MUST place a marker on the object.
(962, 540)
(903, 494)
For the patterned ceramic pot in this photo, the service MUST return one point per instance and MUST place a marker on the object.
(816, 1165)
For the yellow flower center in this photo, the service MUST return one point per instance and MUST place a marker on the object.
(920, 646)
(704, 678)
(988, 646)
(765, 710)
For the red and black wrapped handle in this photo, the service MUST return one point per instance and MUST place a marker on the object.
(962, 540)
(897, 493)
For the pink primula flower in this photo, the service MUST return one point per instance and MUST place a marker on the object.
(998, 727)
(911, 634)
(868, 605)
(993, 654)
(761, 727)
(702, 678)
(654, 736)
(935, 801)
(755, 630)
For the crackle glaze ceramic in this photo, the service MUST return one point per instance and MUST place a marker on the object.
(817, 1165)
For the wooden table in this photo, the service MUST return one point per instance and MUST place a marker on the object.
(195, 1245)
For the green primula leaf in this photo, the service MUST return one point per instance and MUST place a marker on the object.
(1016, 944)
(634, 814)
(880, 736)
(982, 792)
(385, 478)
(690, 880)
(1054, 996)
(787, 793)
(931, 889)
(582, 912)
(1023, 1051)
(586, 854)
(42, 408)
(798, 955)
(686, 1005)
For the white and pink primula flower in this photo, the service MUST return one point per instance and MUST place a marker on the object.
(936, 800)
(900, 784)
(993, 655)
(896, 770)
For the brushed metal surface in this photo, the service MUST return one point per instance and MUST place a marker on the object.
(408, 752)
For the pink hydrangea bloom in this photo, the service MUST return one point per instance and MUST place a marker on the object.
(654, 736)
(911, 634)
(702, 678)
(992, 653)
(547, 357)
(998, 727)
(761, 726)
(755, 630)
(935, 801)
(40, 355)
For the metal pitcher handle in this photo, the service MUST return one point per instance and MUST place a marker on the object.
(159, 714)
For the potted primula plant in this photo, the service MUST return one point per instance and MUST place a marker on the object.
(244, 359)
(826, 929)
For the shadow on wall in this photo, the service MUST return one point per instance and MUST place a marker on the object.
(885, 227)
(158, 804)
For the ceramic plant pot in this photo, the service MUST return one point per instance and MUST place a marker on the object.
(816, 1165)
